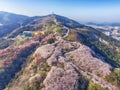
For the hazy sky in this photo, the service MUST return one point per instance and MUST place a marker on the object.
(82, 10)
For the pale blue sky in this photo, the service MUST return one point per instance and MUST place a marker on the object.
(82, 10)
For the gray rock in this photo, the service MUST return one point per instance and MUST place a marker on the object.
(84, 59)
(45, 51)
(58, 79)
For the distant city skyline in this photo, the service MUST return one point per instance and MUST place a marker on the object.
(80, 10)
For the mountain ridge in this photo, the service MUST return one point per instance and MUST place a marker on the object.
(57, 53)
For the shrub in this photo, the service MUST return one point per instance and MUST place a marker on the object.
(50, 41)
(72, 36)
(93, 86)
(26, 87)
(114, 78)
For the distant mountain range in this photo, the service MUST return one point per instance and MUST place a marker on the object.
(10, 18)
(54, 52)
(9, 22)
(104, 24)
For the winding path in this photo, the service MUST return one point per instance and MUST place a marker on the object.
(67, 33)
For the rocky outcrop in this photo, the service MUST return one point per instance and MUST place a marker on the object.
(75, 56)
(62, 66)
(85, 59)
(59, 79)
(45, 51)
